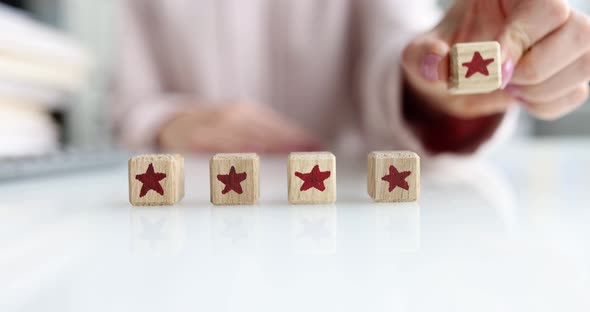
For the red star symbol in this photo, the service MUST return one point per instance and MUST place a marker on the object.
(151, 181)
(232, 181)
(478, 65)
(396, 178)
(315, 178)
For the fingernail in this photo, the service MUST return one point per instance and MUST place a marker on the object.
(429, 67)
(514, 91)
(507, 72)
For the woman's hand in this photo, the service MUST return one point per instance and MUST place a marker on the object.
(236, 128)
(545, 52)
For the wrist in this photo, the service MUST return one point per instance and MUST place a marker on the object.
(178, 127)
(440, 131)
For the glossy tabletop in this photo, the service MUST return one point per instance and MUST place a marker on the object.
(507, 233)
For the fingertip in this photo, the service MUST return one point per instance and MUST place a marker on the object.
(429, 69)
(444, 68)
(435, 68)
(514, 91)
(507, 72)
(434, 65)
(424, 57)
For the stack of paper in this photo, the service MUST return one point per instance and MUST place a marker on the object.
(39, 67)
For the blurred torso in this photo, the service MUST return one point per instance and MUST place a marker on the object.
(295, 56)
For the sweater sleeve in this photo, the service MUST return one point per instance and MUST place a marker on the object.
(391, 115)
(140, 105)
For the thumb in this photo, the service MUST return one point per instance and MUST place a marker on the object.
(426, 59)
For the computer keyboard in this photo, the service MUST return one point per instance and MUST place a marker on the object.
(59, 162)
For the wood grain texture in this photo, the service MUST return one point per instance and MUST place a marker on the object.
(478, 83)
(304, 163)
(221, 164)
(172, 184)
(378, 167)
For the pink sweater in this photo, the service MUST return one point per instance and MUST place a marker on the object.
(331, 65)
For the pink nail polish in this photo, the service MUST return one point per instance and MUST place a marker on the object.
(514, 91)
(429, 67)
(507, 72)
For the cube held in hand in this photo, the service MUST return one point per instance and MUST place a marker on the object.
(475, 67)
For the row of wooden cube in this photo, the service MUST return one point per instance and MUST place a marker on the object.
(393, 176)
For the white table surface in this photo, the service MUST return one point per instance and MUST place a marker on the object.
(508, 234)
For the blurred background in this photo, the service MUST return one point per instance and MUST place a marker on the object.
(53, 89)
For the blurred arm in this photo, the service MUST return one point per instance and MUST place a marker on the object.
(385, 28)
(441, 133)
(394, 115)
(141, 105)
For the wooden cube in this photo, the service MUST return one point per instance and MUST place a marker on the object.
(475, 67)
(393, 176)
(234, 179)
(312, 178)
(156, 180)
